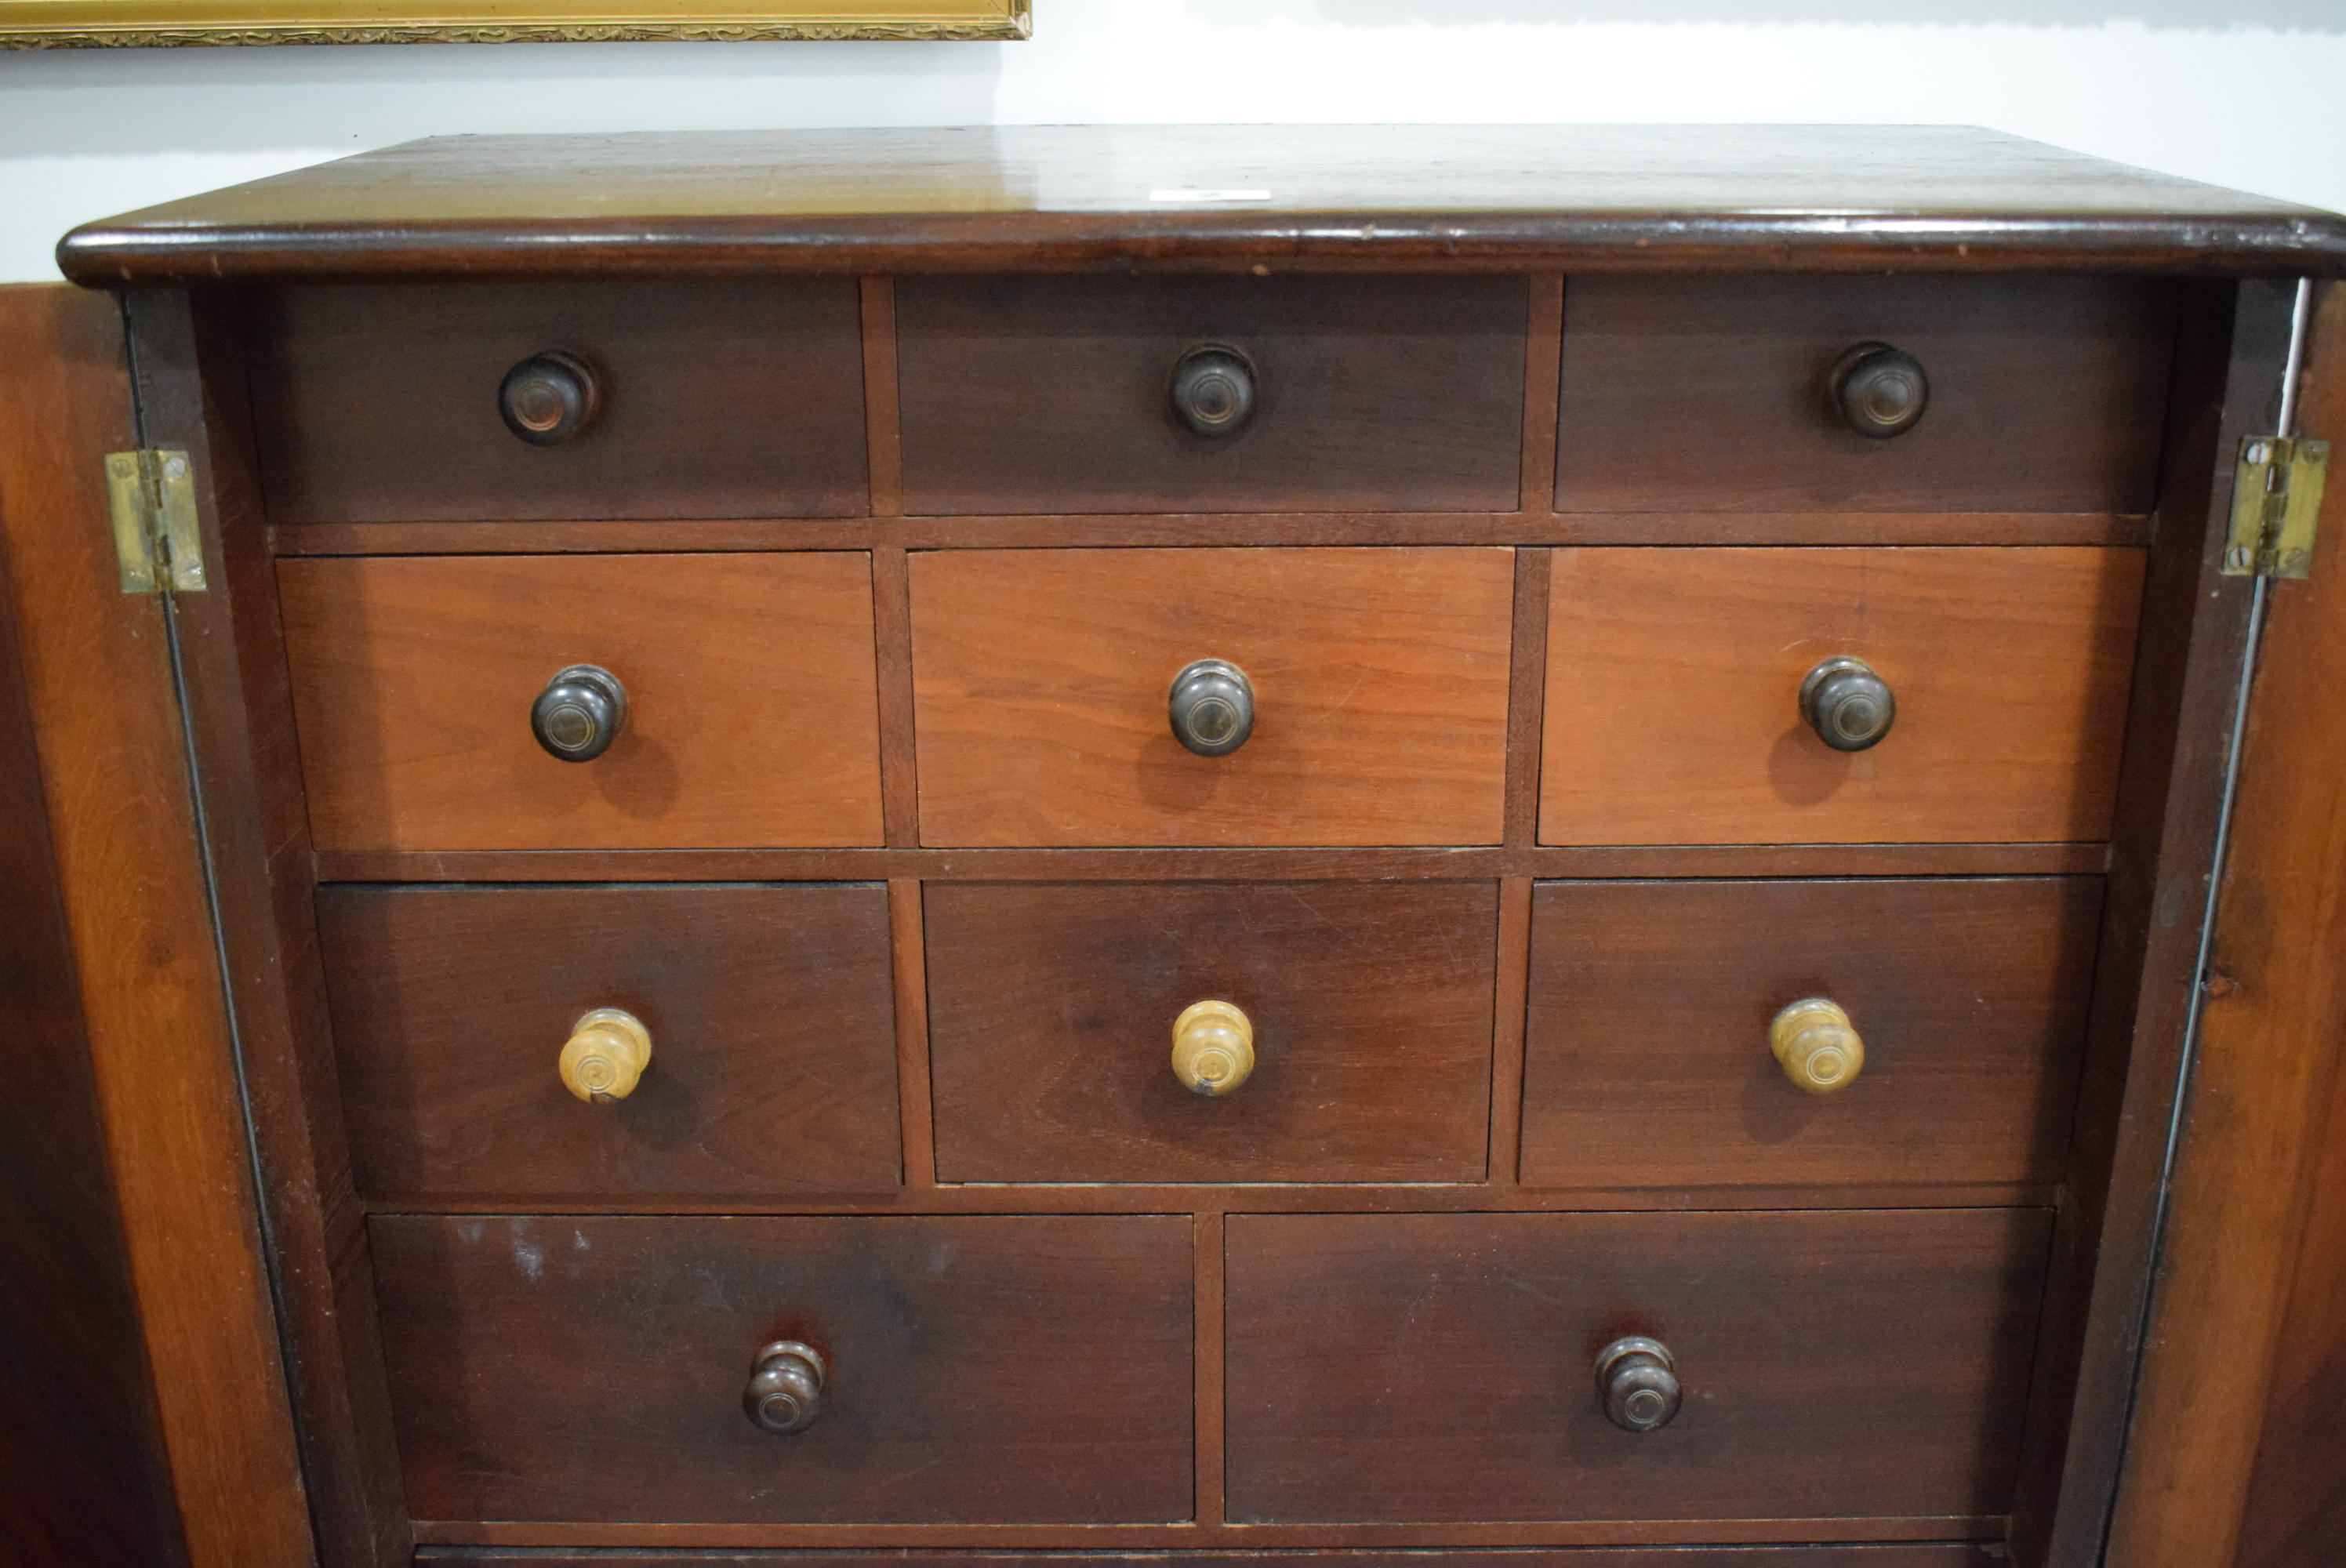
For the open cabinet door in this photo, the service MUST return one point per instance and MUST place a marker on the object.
(129, 1212)
(2236, 1452)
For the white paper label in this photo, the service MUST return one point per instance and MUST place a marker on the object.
(1203, 193)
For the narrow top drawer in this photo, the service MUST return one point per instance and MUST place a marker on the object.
(1065, 394)
(2034, 394)
(714, 399)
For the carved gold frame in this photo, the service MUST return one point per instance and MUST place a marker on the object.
(87, 24)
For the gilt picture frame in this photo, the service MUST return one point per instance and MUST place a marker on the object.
(90, 23)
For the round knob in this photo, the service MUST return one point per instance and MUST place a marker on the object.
(1819, 1049)
(579, 713)
(548, 398)
(1213, 1047)
(1213, 390)
(606, 1056)
(785, 1391)
(1880, 391)
(1848, 705)
(1639, 1388)
(1212, 708)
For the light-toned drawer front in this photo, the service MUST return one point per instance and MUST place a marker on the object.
(752, 716)
(1674, 680)
(1379, 680)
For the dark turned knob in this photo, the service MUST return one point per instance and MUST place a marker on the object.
(1213, 390)
(1849, 705)
(548, 398)
(579, 714)
(785, 1391)
(1212, 708)
(1640, 1390)
(1880, 391)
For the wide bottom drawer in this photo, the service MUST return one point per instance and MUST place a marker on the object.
(980, 1369)
(1398, 1368)
(1971, 1554)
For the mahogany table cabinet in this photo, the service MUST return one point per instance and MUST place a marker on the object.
(1075, 842)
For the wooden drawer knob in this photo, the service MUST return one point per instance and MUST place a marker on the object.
(1637, 1379)
(1848, 705)
(785, 1391)
(1213, 390)
(579, 714)
(606, 1056)
(1213, 1047)
(548, 398)
(1212, 708)
(1819, 1049)
(1879, 391)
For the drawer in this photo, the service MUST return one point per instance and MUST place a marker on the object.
(1049, 394)
(1647, 1057)
(1377, 679)
(1053, 1014)
(774, 1057)
(1442, 1367)
(751, 706)
(382, 402)
(1703, 394)
(1675, 680)
(593, 1368)
(1934, 1554)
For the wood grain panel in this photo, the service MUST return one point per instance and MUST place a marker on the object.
(773, 1049)
(1037, 394)
(1440, 1367)
(1648, 1059)
(98, 686)
(2236, 1449)
(1040, 680)
(1943, 1554)
(728, 398)
(2046, 394)
(1051, 1014)
(1674, 677)
(980, 1369)
(752, 714)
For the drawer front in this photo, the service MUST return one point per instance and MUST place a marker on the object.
(752, 713)
(1442, 1367)
(593, 1368)
(774, 1057)
(1051, 1014)
(1056, 394)
(1936, 1554)
(1647, 1057)
(1703, 394)
(382, 402)
(1378, 681)
(1674, 711)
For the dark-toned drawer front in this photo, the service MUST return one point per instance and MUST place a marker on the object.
(1442, 1367)
(717, 399)
(1646, 1061)
(1697, 394)
(1674, 681)
(1054, 394)
(1041, 681)
(752, 709)
(1051, 1016)
(978, 1370)
(773, 1064)
(1937, 1554)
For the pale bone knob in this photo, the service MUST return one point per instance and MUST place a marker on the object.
(1213, 1047)
(1818, 1048)
(606, 1053)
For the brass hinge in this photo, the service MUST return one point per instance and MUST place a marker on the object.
(2276, 497)
(151, 495)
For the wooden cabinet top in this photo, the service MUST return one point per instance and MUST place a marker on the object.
(1644, 198)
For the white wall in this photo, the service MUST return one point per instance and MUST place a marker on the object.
(2250, 93)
